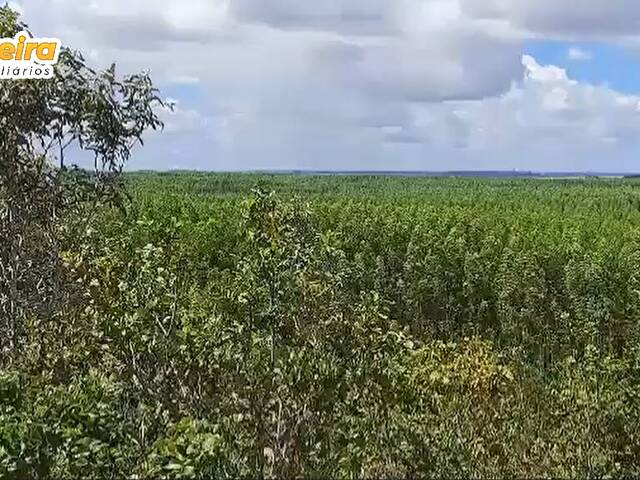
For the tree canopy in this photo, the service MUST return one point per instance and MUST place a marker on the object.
(80, 109)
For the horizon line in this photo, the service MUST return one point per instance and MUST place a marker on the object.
(293, 171)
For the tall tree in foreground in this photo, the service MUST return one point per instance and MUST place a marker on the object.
(80, 109)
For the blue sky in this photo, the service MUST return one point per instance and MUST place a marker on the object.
(607, 64)
(374, 84)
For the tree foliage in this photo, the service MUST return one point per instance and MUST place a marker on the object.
(41, 120)
(233, 337)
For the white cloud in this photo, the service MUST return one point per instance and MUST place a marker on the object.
(546, 110)
(578, 54)
(545, 121)
(362, 83)
(178, 119)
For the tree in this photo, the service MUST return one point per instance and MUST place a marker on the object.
(41, 121)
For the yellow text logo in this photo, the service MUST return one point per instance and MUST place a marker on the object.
(24, 57)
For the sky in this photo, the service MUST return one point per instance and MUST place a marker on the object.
(437, 85)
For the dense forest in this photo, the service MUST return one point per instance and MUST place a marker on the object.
(340, 327)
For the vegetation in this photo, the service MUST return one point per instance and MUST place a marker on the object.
(345, 327)
(348, 327)
(40, 121)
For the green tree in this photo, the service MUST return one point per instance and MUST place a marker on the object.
(41, 121)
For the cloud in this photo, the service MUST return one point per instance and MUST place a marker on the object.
(545, 121)
(450, 65)
(565, 18)
(545, 110)
(353, 16)
(427, 52)
(131, 25)
(362, 84)
(178, 119)
(578, 54)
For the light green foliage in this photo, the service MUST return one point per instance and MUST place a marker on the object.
(376, 328)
